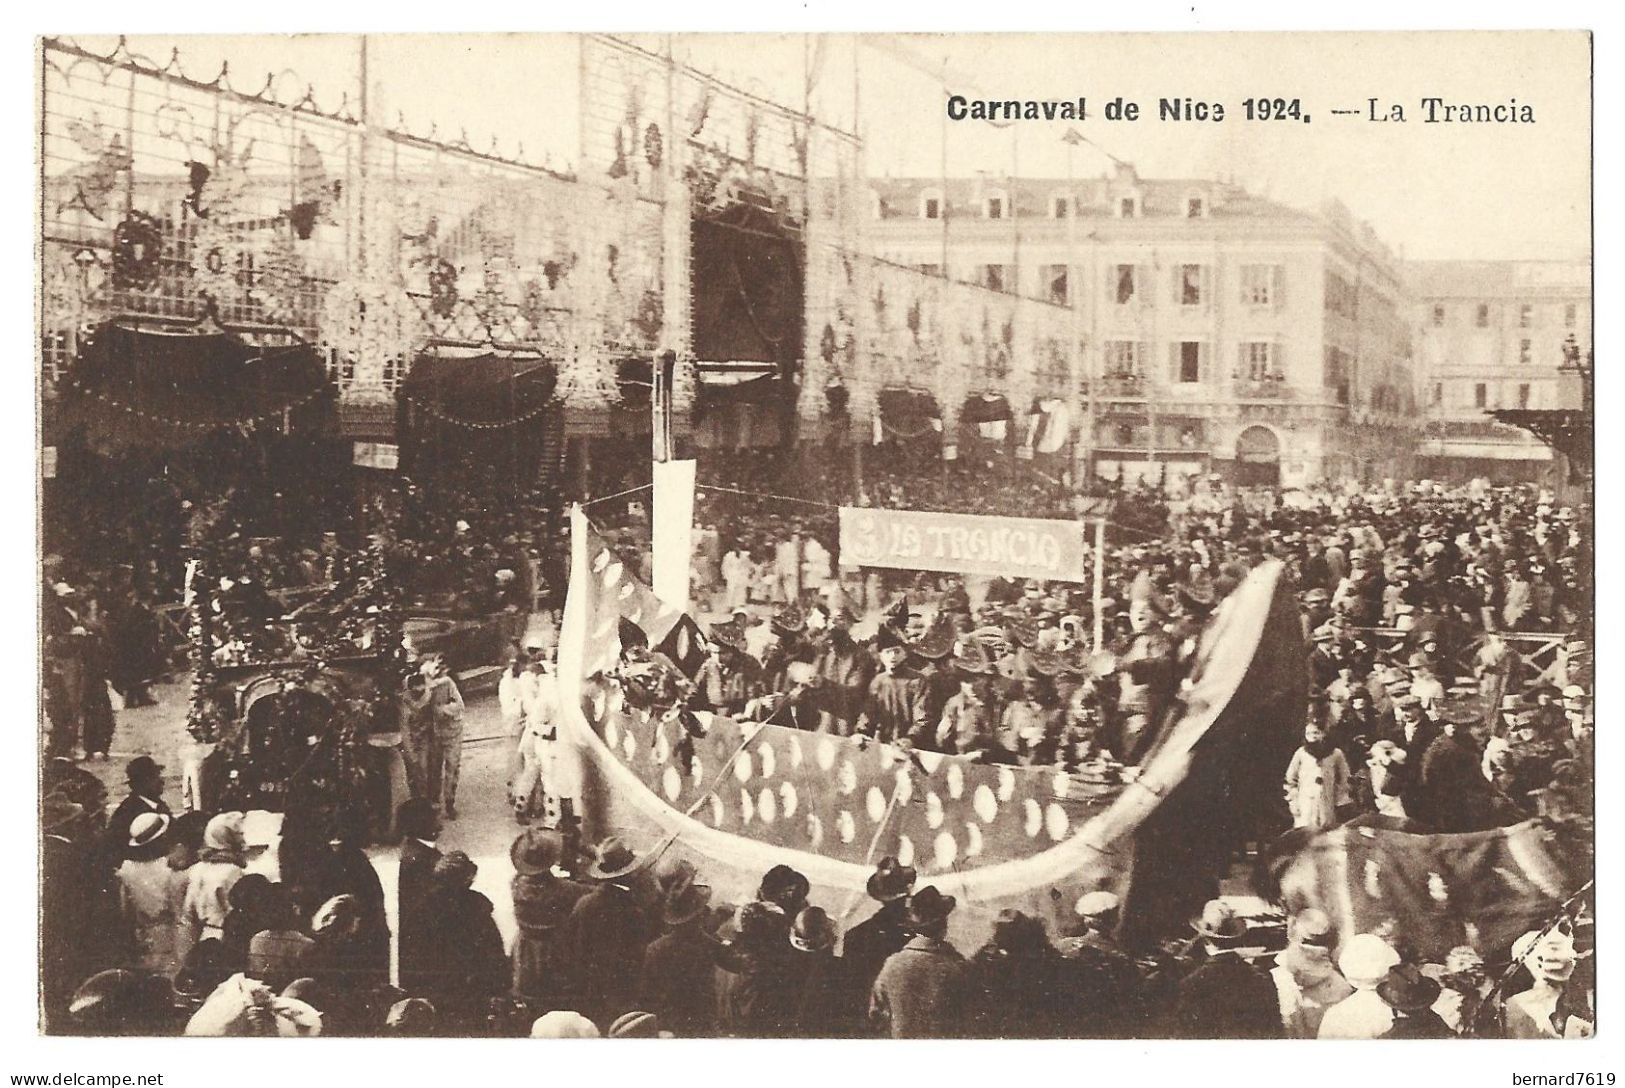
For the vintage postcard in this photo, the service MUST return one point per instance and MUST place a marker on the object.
(816, 536)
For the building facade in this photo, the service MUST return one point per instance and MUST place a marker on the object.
(1491, 335)
(1217, 332)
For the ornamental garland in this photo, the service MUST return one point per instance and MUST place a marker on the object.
(369, 322)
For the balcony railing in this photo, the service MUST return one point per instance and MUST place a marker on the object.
(1268, 388)
(1124, 385)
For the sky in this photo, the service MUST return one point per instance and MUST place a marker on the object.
(1431, 191)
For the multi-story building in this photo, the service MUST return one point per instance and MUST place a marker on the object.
(1489, 335)
(1218, 331)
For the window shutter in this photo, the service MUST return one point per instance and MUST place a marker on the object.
(1178, 283)
(1204, 362)
(1173, 362)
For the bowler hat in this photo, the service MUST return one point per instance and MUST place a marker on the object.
(141, 768)
(612, 859)
(929, 906)
(891, 880)
(1407, 989)
(536, 850)
(813, 931)
(685, 904)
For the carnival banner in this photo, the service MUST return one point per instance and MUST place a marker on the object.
(962, 543)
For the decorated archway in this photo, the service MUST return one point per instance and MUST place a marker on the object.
(1258, 458)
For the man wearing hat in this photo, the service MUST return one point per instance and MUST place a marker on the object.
(1102, 979)
(1411, 994)
(1453, 794)
(146, 778)
(822, 1000)
(894, 708)
(1365, 960)
(966, 726)
(870, 942)
(1306, 979)
(678, 979)
(605, 931)
(1226, 997)
(921, 991)
(844, 672)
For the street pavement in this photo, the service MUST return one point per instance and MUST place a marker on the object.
(484, 828)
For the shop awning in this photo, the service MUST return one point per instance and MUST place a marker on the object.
(159, 384)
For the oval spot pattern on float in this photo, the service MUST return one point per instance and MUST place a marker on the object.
(747, 807)
(1007, 784)
(612, 734)
(788, 799)
(933, 811)
(767, 805)
(719, 812)
(815, 829)
(672, 783)
(847, 779)
(987, 809)
(1034, 822)
(743, 768)
(956, 781)
(875, 802)
(905, 850)
(696, 770)
(1056, 822)
(1062, 785)
(826, 754)
(945, 850)
(845, 826)
(629, 745)
(905, 787)
(769, 761)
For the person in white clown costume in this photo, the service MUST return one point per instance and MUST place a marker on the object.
(1551, 1008)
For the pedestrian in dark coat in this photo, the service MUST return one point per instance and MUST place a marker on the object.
(542, 900)
(754, 994)
(823, 1001)
(346, 965)
(922, 990)
(1018, 983)
(420, 827)
(678, 980)
(870, 942)
(467, 966)
(606, 935)
(1411, 995)
(1225, 997)
(146, 778)
(1456, 796)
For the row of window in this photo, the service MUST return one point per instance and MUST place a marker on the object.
(1262, 285)
(996, 205)
(1526, 315)
(1190, 361)
(1481, 395)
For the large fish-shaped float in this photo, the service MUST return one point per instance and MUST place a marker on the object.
(744, 797)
